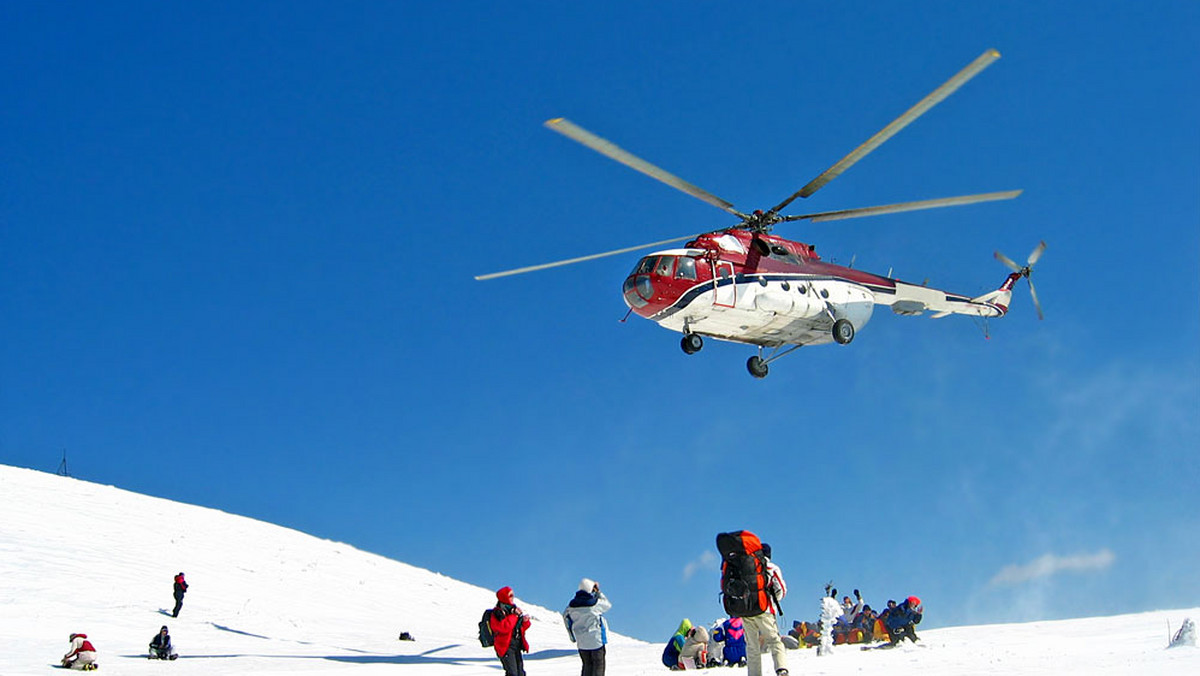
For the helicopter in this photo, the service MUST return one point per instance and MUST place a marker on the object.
(743, 284)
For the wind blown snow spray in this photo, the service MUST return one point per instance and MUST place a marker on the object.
(830, 611)
(1186, 635)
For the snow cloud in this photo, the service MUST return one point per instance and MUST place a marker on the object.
(706, 561)
(1049, 564)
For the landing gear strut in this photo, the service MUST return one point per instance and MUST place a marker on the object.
(757, 365)
(691, 343)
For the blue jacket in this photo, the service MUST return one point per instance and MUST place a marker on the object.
(902, 616)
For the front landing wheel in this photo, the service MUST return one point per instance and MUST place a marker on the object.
(691, 343)
(756, 366)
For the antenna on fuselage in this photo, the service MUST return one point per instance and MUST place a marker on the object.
(62, 466)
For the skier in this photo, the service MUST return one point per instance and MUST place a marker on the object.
(587, 627)
(180, 589)
(508, 625)
(82, 654)
(160, 646)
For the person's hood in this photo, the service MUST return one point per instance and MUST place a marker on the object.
(583, 599)
(684, 627)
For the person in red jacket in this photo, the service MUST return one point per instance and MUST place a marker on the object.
(180, 588)
(82, 654)
(508, 625)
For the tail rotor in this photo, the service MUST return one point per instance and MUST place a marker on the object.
(1027, 270)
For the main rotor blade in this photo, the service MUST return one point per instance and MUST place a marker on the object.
(612, 151)
(1036, 253)
(570, 261)
(905, 206)
(983, 61)
(1033, 293)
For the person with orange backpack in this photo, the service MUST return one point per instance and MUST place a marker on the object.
(508, 625)
(751, 588)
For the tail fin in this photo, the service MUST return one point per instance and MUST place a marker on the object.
(1002, 296)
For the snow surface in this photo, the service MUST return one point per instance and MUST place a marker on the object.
(82, 557)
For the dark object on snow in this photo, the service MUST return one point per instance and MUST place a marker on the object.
(405, 636)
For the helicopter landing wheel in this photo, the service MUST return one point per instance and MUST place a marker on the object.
(691, 343)
(756, 366)
(843, 331)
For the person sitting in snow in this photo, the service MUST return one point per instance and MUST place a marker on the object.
(733, 635)
(160, 646)
(694, 653)
(508, 625)
(670, 656)
(866, 622)
(902, 620)
(82, 654)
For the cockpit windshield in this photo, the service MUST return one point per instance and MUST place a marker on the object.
(680, 267)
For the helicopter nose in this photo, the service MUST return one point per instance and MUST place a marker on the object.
(638, 290)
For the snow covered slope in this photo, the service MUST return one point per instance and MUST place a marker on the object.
(81, 557)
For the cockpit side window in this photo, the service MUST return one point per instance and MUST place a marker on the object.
(666, 266)
(686, 268)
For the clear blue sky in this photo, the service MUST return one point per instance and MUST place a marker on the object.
(237, 245)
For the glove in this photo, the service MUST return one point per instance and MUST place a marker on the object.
(856, 595)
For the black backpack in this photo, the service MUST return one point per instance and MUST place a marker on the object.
(743, 574)
(485, 630)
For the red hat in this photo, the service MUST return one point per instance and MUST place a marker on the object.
(504, 595)
(914, 603)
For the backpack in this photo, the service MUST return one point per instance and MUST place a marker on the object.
(485, 630)
(743, 574)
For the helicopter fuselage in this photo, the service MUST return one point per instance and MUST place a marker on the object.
(762, 290)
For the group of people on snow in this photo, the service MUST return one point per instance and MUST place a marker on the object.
(82, 654)
(859, 623)
(733, 641)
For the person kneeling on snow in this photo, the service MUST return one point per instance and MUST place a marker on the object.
(670, 656)
(82, 654)
(160, 646)
(694, 653)
(902, 619)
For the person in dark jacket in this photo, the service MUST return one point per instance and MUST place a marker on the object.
(902, 620)
(180, 589)
(587, 627)
(508, 625)
(160, 646)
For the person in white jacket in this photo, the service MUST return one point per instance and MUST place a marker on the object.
(762, 635)
(587, 627)
(82, 654)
